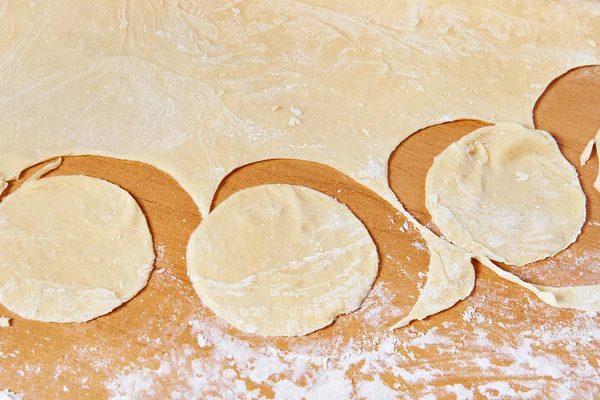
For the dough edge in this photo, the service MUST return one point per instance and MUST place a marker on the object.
(76, 309)
(324, 320)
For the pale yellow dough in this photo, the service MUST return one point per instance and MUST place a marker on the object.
(507, 193)
(451, 278)
(199, 88)
(72, 248)
(483, 192)
(281, 260)
(587, 153)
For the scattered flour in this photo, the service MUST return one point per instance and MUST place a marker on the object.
(517, 347)
(460, 391)
(161, 250)
(570, 267)
(419, 246)
(419, 361)
(8, 395)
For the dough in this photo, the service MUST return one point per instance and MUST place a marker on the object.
(507, 193)
(72, 248)
(587, 153)
(584, 298)
(189, 86)
(450, 278)
(201, 88)
(479, 178)
(281, 260)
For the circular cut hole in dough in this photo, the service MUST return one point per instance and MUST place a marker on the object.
(281, 260)
(506, 192)
(72, 248)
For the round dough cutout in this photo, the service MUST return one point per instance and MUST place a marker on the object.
(72, 248)
(506, 192)
(281, 260)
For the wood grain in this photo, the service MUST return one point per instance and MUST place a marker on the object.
(44, 360)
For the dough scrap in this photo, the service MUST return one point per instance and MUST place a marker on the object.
(450, 278)
(587, 153)
(583, 298)
(72, 248)
(281, 260)
(506, 192)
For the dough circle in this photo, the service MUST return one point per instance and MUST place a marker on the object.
(72, 248)
(506, 192)
(281, 260)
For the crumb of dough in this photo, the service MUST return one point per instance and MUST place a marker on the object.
(295, 110)
(4, 322)
(586, 154)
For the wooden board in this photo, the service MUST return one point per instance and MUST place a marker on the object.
(121, 353)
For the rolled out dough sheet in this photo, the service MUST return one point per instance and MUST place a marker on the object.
(201, 88)
(191, 89)
(72, 248)
(281, 260)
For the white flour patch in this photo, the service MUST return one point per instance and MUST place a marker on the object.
(419, 246)
(460, 391)
(377, 309)
(497, 390)
(8, 395)
(161, 250)
(418, 360)
(569, 267)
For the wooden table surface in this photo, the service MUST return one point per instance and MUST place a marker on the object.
(45, 360)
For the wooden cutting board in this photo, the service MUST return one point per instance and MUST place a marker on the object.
(164, 343)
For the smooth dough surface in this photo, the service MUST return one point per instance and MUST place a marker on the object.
(72, 248)
(190, 86)
(506, 192)
(281, 260)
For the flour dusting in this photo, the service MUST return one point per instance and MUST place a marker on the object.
(8, 395)
(418, 361)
